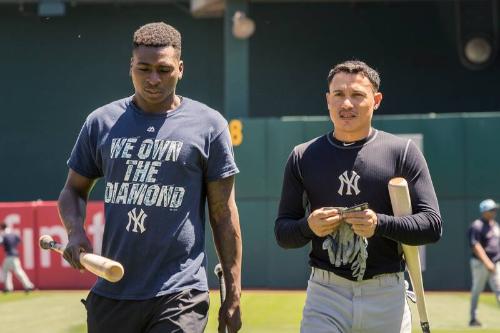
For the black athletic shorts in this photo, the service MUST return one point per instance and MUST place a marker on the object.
(186, 311)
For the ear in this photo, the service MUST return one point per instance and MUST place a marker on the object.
(377, 97)
(131, 63)
(181, 69)
(327, 95)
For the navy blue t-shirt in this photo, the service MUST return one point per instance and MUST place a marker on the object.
(10, 242)
(155, 168)
(488, 236)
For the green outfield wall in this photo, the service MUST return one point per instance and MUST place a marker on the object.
(56, 70)
(463, 157)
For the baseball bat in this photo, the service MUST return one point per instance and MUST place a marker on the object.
(222, 284)
(401, 206)
(106, 268)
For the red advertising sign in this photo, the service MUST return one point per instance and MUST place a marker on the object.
(47, 269)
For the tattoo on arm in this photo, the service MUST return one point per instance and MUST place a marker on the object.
(72, 201)
(225, 224)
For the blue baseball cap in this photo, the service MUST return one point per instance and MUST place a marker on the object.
(487, 205)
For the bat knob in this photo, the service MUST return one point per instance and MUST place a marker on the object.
(398, 181)
(45, 242)
(218, 270)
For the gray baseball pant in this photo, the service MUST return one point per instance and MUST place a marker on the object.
(480, 275)
(338, 305)
(13, 264)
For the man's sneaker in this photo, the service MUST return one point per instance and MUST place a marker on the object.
(27, 290)
(474, 323)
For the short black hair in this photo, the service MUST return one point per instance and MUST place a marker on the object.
(158, 34)
(356, 67)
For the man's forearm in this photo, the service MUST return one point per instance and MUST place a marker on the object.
(72, 210)
(417, 229)
(225, 224)
(291, 234)
(481, 254)
(227, 238)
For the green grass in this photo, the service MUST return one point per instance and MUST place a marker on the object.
(263, 312)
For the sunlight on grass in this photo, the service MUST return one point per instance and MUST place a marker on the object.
(263, 312)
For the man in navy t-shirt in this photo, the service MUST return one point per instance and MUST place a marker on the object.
(484, 240)
(162, 157)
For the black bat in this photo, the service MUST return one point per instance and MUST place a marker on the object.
(222, 284)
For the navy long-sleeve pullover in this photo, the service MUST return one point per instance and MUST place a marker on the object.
(325, 172)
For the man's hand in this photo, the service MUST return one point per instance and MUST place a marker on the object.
(77, 243)
(230, 315)
(324, 221)
(480, 253)
(490, 266)
(363, 223)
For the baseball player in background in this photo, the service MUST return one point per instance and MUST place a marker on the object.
(162, 157)
(357, 281)
(11, 263)
(484, 240)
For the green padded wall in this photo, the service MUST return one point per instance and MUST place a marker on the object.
(56, 70)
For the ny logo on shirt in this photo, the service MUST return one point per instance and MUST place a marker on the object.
(137, 219)
(349, 183)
